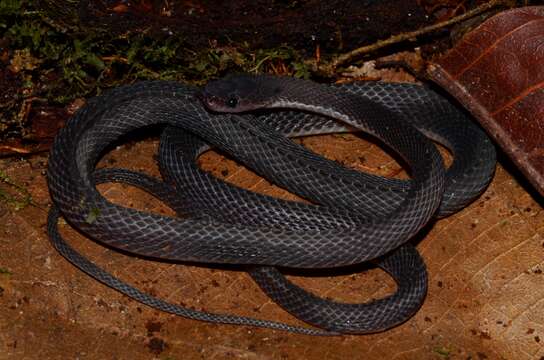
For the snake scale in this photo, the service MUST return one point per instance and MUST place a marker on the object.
(351, 217)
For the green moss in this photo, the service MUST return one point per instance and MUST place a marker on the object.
(60, 64)
(8, 8)
(92, 215)
(443, 352)
(20, 199)
(4, 271)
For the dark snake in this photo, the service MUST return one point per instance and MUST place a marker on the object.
(354, 217)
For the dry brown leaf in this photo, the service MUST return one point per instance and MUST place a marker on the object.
(497, 72)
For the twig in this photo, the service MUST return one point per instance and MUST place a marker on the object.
(120, 59)
(329, 69)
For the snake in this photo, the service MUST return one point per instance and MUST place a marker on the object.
(349, 218)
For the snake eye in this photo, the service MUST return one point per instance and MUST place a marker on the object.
(232, 102)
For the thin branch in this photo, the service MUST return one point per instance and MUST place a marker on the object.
(330, 68)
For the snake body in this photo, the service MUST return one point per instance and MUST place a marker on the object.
(358, 217)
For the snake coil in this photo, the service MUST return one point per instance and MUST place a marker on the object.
(354, 217)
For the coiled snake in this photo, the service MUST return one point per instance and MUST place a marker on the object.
(355, 217)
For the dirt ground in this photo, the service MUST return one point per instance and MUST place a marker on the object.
(485, 299)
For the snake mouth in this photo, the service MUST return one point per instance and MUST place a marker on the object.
(210, 101)
(235, 94)
(231, 103)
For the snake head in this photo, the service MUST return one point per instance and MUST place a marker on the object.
(240, 93)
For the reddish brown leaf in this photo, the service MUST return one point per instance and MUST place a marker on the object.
(43, 124)
(46, 121)
(497, 72)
